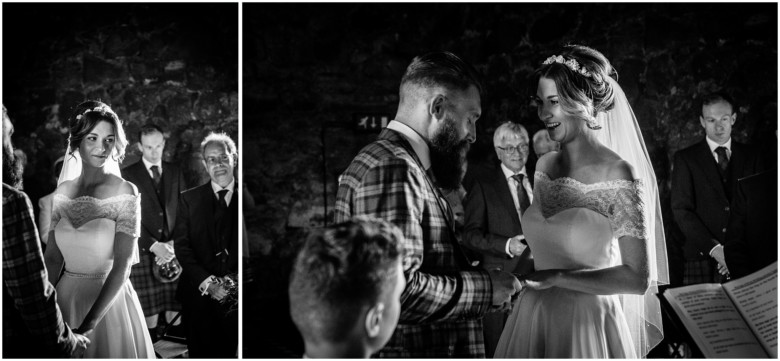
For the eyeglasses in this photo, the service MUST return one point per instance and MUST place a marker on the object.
(520, 148)
(216, 160)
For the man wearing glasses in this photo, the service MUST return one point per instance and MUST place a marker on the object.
(494, 206)
(704, 178)
(206, 243)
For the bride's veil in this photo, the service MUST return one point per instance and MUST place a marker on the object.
(620, 132)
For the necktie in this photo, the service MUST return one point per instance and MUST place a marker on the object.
(222, 195)
(723, 158)
(522, 196)
(155, 175)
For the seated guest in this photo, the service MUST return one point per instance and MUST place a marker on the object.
(543, 144)
(751, 239)
(345, 288)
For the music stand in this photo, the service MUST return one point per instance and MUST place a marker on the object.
(675, 333)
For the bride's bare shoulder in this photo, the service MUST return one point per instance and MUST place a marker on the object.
(66, 188)
(120, 186)
(548, 163)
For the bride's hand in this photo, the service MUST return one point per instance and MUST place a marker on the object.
(540, 280)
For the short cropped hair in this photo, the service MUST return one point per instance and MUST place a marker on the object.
(441, 69)
(223, 138)
(149, 128)
(716, 97)
(508, 129)
(340, 270)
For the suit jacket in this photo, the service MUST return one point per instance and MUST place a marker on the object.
(151, 209)
(751, 239)
(32, 321)
(199, 247)
(491, 219)
(700, 201)
(445, 296)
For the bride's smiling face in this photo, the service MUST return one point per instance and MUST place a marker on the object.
(560, 126)
(98, 145)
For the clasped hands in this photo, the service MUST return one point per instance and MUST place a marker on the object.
(507, 286)
(163, 252)
(82, 342)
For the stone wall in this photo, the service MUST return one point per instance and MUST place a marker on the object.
(174, 65)
(309, 69)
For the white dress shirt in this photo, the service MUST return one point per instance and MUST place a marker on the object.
(216, 188)
(415, 139)
(512, 182)
(714, 146)
(149, 165)
(230, 188)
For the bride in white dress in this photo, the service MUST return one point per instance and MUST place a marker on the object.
(594, 229)
(95, 223)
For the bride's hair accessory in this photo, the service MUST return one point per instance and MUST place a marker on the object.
(570, 63)
(100, 108)
(592, 124)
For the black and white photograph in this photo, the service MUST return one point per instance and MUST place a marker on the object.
(510, 180)
(120, 180)
(405, 180)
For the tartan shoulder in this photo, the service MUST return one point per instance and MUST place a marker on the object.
(14, 197)
(381, 153)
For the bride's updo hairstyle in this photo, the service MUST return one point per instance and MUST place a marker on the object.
(85, 117)
(581, 75)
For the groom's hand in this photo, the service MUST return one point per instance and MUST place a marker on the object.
(505, 285)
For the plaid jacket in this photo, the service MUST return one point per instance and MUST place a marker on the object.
(31, 317)
(445, 298)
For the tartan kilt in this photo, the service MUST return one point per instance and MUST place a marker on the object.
(701, 271)
(154, 295)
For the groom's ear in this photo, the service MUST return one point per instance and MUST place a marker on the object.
(437, 106)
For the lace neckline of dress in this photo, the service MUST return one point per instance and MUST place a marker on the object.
(607, 184)
(86, 197)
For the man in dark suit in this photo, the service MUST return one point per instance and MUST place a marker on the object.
(206, 243)
(703, 180)
(32, 322)
(493, 210)
(397, 178)
(159, 183)
(751, 238)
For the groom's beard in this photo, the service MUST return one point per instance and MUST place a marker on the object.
(12, 168)
(448, 156)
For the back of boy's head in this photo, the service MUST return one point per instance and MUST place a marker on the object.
(340, 271)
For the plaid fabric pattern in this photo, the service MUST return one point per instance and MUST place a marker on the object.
(26, 289)
(154, 295)
(700, 271)
(445, 297)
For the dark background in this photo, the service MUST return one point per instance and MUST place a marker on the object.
(311, 69)
(174, 65)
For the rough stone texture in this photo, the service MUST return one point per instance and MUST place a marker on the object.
(308, 69)
(174, 65)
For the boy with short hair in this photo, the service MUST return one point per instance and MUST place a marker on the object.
(345, 288)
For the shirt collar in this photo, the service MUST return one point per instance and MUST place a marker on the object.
(714, 145)
(216, 188)
(149, 165)
(415, 139)
(508, 172)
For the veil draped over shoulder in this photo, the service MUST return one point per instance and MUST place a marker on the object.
(620, 132)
